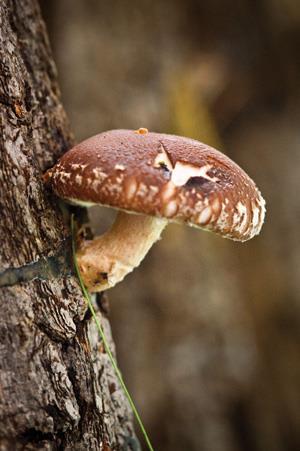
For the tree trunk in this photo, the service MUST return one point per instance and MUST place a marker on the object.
(57, 387)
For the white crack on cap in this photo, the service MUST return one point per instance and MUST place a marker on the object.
(183, 172)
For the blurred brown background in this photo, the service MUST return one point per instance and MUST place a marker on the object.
(207, 330)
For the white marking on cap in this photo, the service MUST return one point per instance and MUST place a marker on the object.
(168, 191)
(64, 175)
(95, 184)
(240, 217)
(99, 174)
(255, 215)
(206, 201)
(120, 167)
(130, 188)
(216, 206)
(154, 189)
(260, 201)
(142, 190)
(170, 208)
(78, 179)
(183, 172)
(204, 216)
(222, 221)
(162, 160)
(199, 205)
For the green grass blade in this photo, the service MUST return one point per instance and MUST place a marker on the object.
(105, 342)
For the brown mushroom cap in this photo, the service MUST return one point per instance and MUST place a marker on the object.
(167, 176)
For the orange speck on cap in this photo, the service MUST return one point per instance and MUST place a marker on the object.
(142, 131)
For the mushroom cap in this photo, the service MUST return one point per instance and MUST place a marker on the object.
(162, 175)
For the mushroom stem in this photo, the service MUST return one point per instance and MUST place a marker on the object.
(106, 260)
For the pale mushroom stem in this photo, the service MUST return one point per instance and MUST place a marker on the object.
(106, 260)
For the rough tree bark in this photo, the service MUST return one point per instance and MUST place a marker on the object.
(57, 388)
